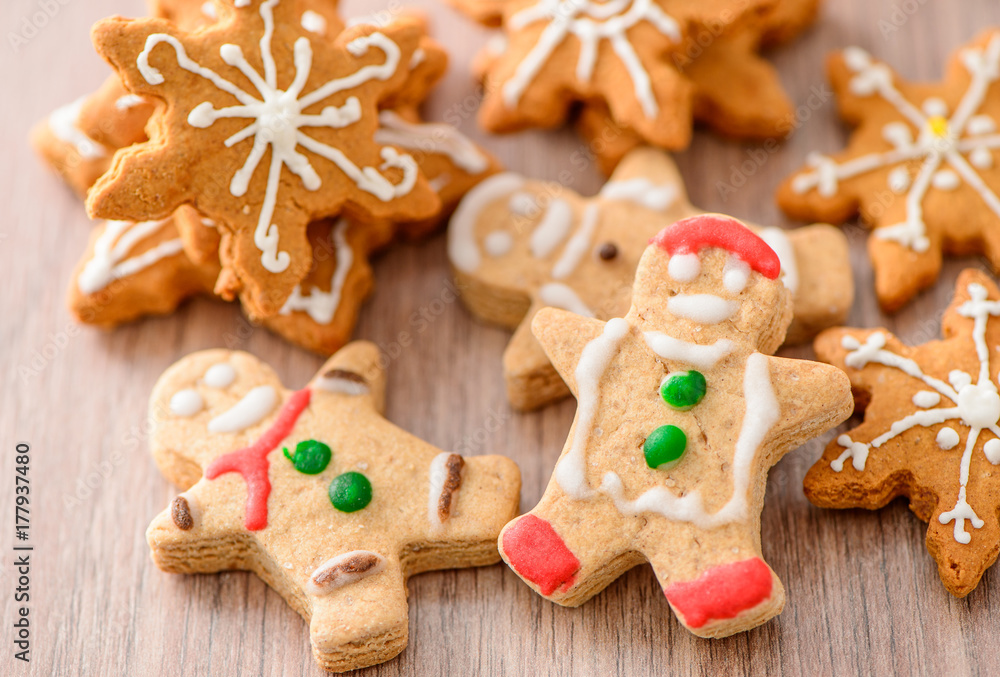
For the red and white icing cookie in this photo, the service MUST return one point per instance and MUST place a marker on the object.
(314, 491)
(681, 412)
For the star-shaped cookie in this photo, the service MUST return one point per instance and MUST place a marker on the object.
(519, 245)
(921, 166)
(562, 52)
(316, 493)
(931, 430)
(681, 413)
(267, 126)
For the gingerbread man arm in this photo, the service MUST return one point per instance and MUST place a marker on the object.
(813, 398)
(564, 347)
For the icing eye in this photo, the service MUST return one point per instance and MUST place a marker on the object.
(498, 243)
(736, 275)
(684, 267)
(607, 251)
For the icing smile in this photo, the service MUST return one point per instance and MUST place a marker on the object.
(702, 308)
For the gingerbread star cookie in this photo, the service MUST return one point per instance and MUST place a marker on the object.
(921, 167)
(681, 412)
(736, 96)
(648, 83)
(519, 245)
(267, 126)
(316, 493)
(931, 431)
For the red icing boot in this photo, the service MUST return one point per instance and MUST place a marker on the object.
(535, 551)
(722, 592)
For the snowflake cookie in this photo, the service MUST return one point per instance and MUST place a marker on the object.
(921, 167)
(681, 412)
(519, 245)
(931, 431)
(267, 126)
(653, 65)
(316, 493)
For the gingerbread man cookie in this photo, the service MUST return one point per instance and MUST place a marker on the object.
(921, 167)
(931, 431)
(681, 413)
(316, 493)
(518, 246)
(266, 127)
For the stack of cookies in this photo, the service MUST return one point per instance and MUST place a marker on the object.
(168, 154)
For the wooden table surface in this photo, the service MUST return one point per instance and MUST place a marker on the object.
(863, 594)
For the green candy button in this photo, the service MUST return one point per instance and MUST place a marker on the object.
(310, 457)
(683, 390)
(350, 492)
(664, 447)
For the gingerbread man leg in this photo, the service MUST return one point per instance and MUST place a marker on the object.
(553, 547)
(715, 580)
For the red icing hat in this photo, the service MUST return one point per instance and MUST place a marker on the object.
(690, 236)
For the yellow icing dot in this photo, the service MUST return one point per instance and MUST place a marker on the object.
(939, 126)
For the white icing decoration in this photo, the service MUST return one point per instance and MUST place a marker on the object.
(946, 180)
(128, 101)
(342, 386)
(735, 275)
(558, 295)
(595, 359)
(249, 411)
(926, 399)
(462, 248)
(63, 123)
(940, 147)
(778, 240)
(438, 475)
(992, 451)
(186, 403)
(208, 9)
(221, 375)
(591, 23)
(578, 245)
(313, 22)
(322, 306)
(684, 267)
(522, 204)
(278, 119)
(436, 139)
(947, 438)
(110, 261)
(498, 243)
(702, 308)
(555, 225)
(344, 578)
(643, 192)
(694, 354)
(975, 405)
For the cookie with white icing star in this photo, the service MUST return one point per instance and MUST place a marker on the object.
(519, 245)
(645, 63)
(681, 413)
(922, 166)
(316, 493)
(208, 145)
(931, 430)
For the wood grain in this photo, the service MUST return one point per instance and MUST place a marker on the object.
(864, 597)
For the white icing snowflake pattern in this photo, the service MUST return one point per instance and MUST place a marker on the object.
(278, 121)
(949, 148)
(975, 405)
(591, 23)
